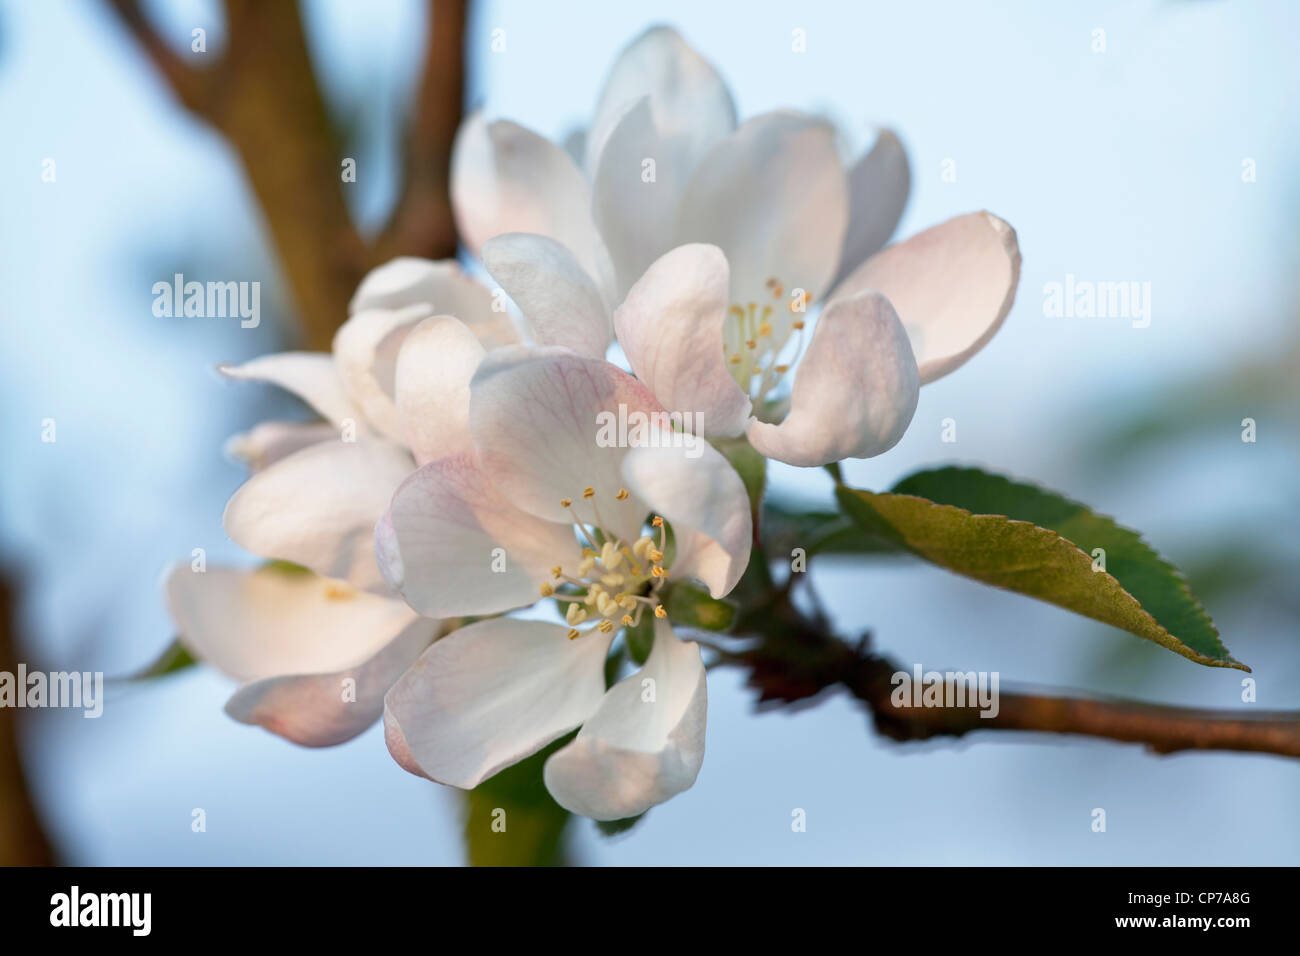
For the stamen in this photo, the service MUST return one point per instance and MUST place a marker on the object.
(576, 614)
(574, 634)
(622, 494)
(588, 492)
(566, 502)
(605, 626)
(659, 611)
(546, 589)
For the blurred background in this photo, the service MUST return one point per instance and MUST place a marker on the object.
(1120, 165)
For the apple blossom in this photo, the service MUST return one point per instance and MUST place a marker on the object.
(590, 252)
(536, 507)
(318, 651)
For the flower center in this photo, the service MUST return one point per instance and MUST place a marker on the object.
(613, 581)
(756, 336)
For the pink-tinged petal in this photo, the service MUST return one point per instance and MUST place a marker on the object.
(559, 300)
(270, 622)
(434, 367)
(952, 286)
(854, 392)
(490, 694)
(318, 507)
(774, 197)
(691, 105)
(266, 443)
(452, 545)
(545, 424)
(878, 187)
(366, 347)
(309, 375)
(695, 488)
(671, 329)
(442, 288)
(322, 710)
(505, 178)
(644, 744)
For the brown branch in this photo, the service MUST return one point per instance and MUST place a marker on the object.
(22, 840)
(422, 222)
(796, 657)
(263, 96)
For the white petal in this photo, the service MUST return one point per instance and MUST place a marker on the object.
(366, 347)
(321, 710)
(442, 288)
(854, 392)
(695, 488)
(644, 744)
(774, 197)
(560, 301)
(318, 507)
(505, 178)
(434, 367)
(670, 328)
(309, 375)
(490, 694)
(268, 442)
(269, 622)
(692, 107)
(952, 286)
(453, 545)
(544, 423)
(878, 186)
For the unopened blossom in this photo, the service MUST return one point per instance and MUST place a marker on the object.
(664, 165)
(535, 507)
(317, 649)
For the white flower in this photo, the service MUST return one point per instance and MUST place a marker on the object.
(536, 506)
(319, 651)
(791, 222)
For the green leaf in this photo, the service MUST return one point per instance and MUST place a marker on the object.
(1034, 542)
(786, 526)
(750, 465)
(512, 820)
(640, 638)
(693, 606)
(176, 657)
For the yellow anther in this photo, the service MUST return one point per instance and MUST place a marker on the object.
(642, 546)
(546, 589)
(750, 344)
(576, 614)
(777, 291)
(782, 369)
(605, 626)
(735, 359)
(588, 492)
(566, 502)
(605, 605)
(612, 580)
(765, 330)
(585, 565)
(574, 634)
(657, 522)
(339, 590)
(622, 494)
(610, 556)
(557, 571)
(659, 611)
(798, 324)
(655, 554)
(627, 620)
(657, 571)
